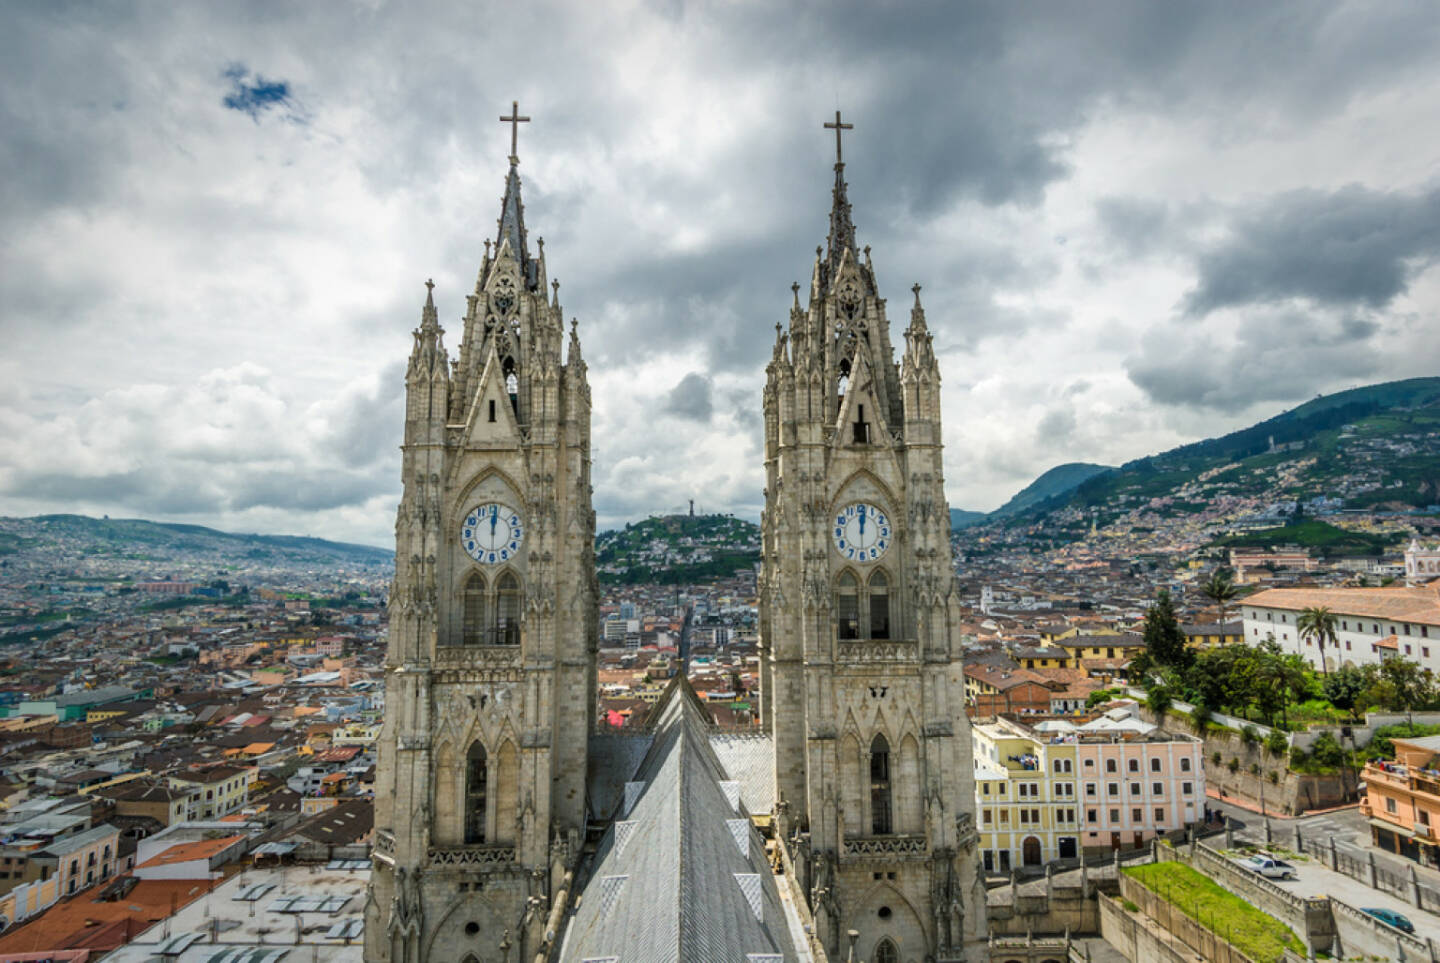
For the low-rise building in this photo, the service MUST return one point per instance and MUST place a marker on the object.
(1402, 800)
(1372, 624)
(1054, 789)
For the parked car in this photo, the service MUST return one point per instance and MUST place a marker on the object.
(1391, 917)
(1267, 865)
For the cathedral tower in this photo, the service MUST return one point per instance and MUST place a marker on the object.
(490, 673)
(861, 657)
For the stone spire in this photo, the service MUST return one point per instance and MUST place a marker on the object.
(429, 338)
(512, 222)
(842, 229)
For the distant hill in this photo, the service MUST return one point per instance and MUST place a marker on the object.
(677, 549)
(76, 536)
(1363, 448)
(960, 518)
(1052, 484)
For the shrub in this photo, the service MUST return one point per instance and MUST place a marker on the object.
(1129, 906)
(1297, 757)
(1327, 751)
(1215, 757)
(1233, 765)
(1274, 777)
(1254, 768)
(1277, 743)
(1250, 735)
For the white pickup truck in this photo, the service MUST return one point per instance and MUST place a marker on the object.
(1267, 865)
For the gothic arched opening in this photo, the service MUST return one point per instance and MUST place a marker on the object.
(879, 605)
(880, 821)
(886, 952)
(473, 628)
(507, 610)
(477, 785)
(847, 606)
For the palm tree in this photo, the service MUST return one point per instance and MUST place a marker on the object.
(1318, 623)
(1221, 589)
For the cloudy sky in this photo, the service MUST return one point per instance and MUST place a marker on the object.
(1135, 224)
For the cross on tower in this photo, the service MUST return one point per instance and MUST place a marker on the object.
(838, 127)
(515, 120)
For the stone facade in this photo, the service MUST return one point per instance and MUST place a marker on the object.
(490, 675)
(862, 683)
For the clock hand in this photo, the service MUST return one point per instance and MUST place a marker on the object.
(493, 513)
(862, 526)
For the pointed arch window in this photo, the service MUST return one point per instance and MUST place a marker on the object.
(879, 597)
(507, 610)
(473, 630)
(886, 952)
(863, 612)
(880, 821)
(847, 606)
(477, 778)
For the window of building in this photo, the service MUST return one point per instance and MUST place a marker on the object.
(1134, 789)
(1159, 815)
(1185, 764)
(880, 786)
(985, 816)
(1135, 816)
(477, 777)
(1389, 805)
(1154, 765)
(473, 628)
(1114, 815)
(1157, 789)
(1113, 789)
(1089, 789)
(885, 952)
(1089, 763)
(1004, 817)
(1110, 765)
(847, 606)
(1093, 815)
(1024, 817)
(1134, 765)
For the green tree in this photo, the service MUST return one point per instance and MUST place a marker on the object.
(1221, 589)
(1345, 687)
(1318, 624)
(1164, 642)
(1401, 684)
(1160, 700)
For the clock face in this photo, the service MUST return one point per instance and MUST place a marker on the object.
(492, 533)
(861, 532)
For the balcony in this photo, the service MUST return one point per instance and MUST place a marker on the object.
(483, 858)
(886, 847)
(873, 651)
(478, 657)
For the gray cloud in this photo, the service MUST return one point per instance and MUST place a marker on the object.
(677, 169)
(1277, 357)
(1352, 247)
(691, 398)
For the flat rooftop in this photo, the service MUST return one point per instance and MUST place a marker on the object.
(264, 909)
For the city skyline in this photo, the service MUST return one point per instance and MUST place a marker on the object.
(1133, 226)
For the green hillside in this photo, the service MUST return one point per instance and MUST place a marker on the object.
(1325, 538)
(960, 518)
(1369, 448)
(134, 538)
(677, 549)
(1052, 484)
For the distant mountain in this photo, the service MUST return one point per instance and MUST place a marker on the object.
(74, 536)
(1052, 484)
(1363, 448)
(960, 518)
(677, 549)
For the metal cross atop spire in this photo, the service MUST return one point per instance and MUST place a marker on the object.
(838, 127)
(515, 120)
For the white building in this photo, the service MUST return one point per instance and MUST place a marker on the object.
(1371, 624)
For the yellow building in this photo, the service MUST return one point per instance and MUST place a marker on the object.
(221, 789)
(1213, 635)
(1026, 805)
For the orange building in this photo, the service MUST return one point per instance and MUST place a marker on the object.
(1402, 800)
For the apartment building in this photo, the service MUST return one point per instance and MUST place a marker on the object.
(1402, 800)
(1057, 788)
